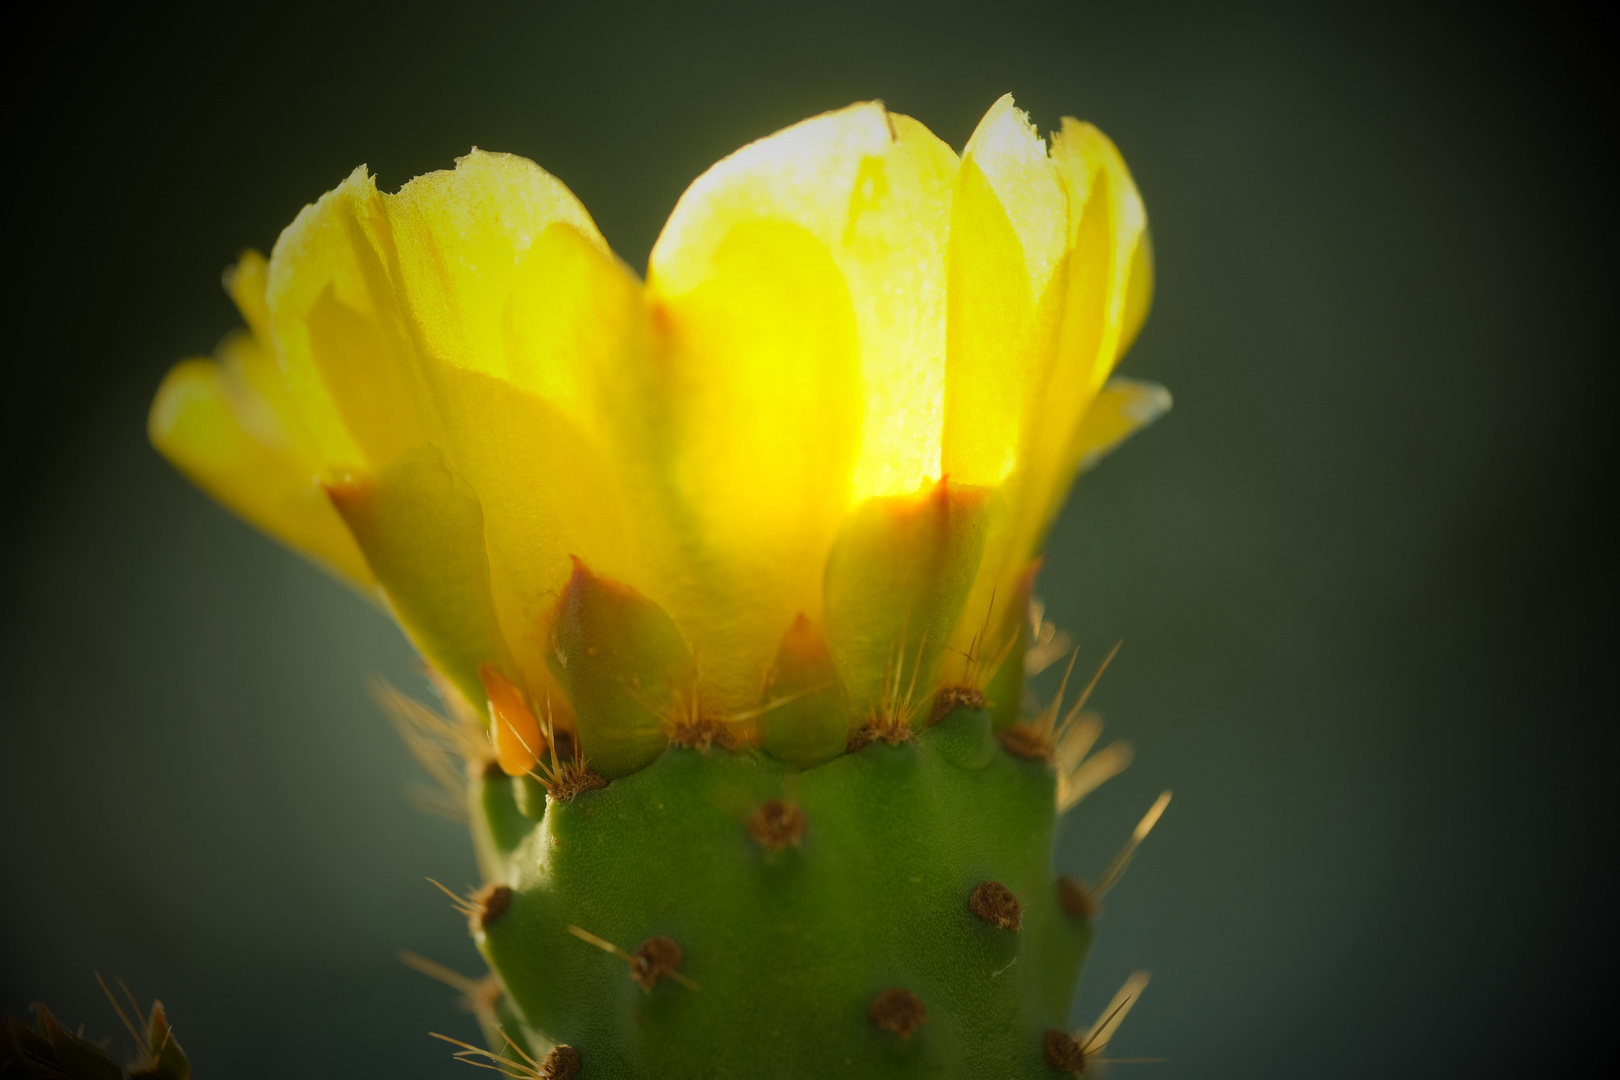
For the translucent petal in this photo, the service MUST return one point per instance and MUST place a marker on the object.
(875, 189)
(477, 311)
(461, 239)
(760, 433)
(246, 283)
(340, 334)
(213, 425)
(1122, 408)
(1006, 269)
(1100, 283)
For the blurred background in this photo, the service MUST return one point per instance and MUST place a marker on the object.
(1364, 572)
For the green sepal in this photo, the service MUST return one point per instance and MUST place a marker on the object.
(804, 721)
(626, 668)
(421, 528)
(897, 578)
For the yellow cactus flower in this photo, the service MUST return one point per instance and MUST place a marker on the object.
(827, 433)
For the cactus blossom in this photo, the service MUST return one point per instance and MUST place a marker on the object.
(726, 573)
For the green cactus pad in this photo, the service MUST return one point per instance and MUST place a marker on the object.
(813, 910)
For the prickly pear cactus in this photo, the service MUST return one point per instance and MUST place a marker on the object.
(891, 912)
(724, 576)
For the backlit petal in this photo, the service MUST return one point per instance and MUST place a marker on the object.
(874, 188)
(1122, 408)
(477, 311)
(1103, 280)
(208, 422)
(1006, 272)
(762, 422)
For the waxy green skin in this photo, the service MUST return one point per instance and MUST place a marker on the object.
(789, 948)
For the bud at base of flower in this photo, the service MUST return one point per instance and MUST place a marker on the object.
(802, 720)
(627, 670)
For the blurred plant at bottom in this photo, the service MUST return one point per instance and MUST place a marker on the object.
(52, 1052)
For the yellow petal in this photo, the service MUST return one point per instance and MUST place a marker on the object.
(1009, 227)
(246, 283)
(1138, 293)
(1109, 283)
(874, 188)
(763, 417)
(365, 289)
(340, 334)
(477, 311)
(460, 239)
(1122, 408)
(212, 424)
(1109, 300)
(1103, 280)
(547, 493)
(422, 532)
(1012, 157)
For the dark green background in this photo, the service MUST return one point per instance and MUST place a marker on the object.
(1364, 571)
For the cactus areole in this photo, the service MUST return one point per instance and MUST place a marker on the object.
(724, 576)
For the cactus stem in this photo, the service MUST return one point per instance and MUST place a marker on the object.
(654, 959)
(777, 825)
(897, 1011)
(995, 904)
